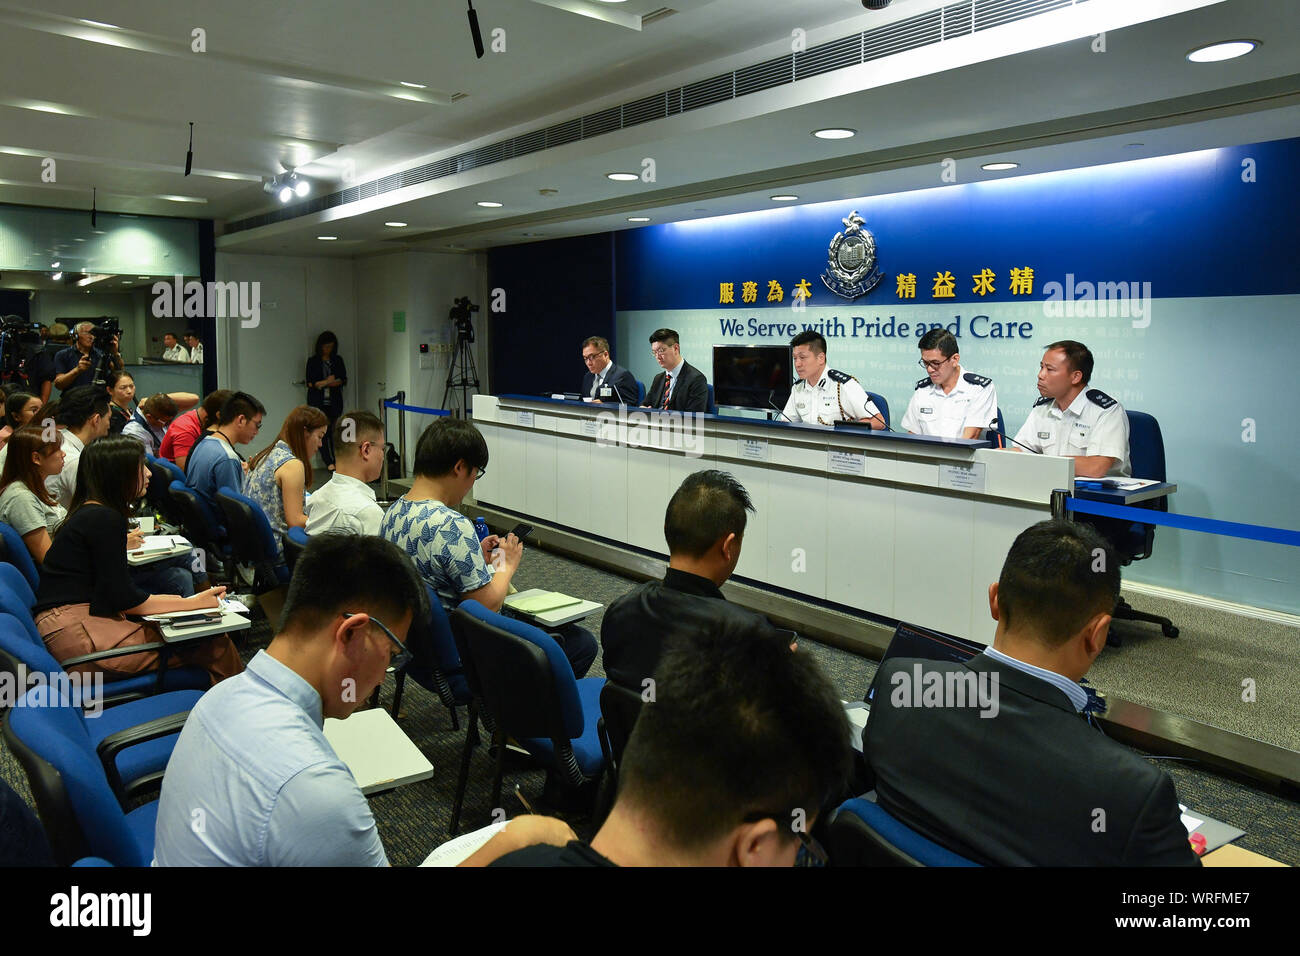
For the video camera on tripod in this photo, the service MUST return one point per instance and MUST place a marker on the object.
(462, 311)
(108, 333)
(18, 341)
(462, 376)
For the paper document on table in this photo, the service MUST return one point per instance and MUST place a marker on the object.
(541, 603)
(158, 543)
(454, 852)
(1122, 484)
(1189, 821)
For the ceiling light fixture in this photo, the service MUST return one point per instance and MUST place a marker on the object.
(475, 32)
(784, 197)
(638, 218)
(327, 238)
(998, 167)
(189, 153)
(287, 185)
(57, 276)
(835, 132)
(415, 86)
(396, 225)
(1227, 50)
(488, 204)
(622, 177)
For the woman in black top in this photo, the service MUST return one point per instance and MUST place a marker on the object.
(326, 376)
(121, 397)
(86, 589)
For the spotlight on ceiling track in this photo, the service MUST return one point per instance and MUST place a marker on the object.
(189, 153)
(875, 4)
(475, 32)
(287, 185)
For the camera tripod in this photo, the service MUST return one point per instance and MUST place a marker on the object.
(461, 373)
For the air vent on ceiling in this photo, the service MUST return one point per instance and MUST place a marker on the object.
(924, 29)
(654, 16)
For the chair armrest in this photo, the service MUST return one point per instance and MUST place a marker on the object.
(113, 652)
(114, 744)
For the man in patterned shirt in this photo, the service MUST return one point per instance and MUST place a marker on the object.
(450, 456)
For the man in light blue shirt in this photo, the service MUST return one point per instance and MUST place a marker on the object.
(253, 781)
(214, 463)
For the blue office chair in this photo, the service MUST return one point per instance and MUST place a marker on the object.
(713, 406)
(863, 834)
(198, 523)
(619, 709)
(252, 541)
(295, 543)
(998, 432)
(519, 676)
(441, 671)
(13, 581)
(19, 556)
(161, 475)
(640, 391)
(24, 842)
(81, 813)
(880, 404)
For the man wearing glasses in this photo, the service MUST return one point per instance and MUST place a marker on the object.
(824, 396)
(949, 402)
(605, 381)
(253, 780)
(347, 502)
(680, 387)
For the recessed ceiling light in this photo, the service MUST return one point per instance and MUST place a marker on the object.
(46, 108)
(489, 204)
(530, 235)
(396, 225)
(327, 238)
(99, 23)
(998, 167)
(784, 197)
(638, 218)
(57, 276)
(415, 86)
(126, 282)
(1227, 50)
(622, 177)
(54, 265)
(835, 132)
(142, 277)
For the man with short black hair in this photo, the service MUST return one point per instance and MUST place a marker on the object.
(150, 421)
(679, 387)
(450, 456)
(252, 762)
(214, 463)
(742, 748)
(704, 527)
(195, 346)
(1013, 774)
(826, 395)
(83, 417)
(949, 402)
(173, 351)
(347, 502)
(605, 381)
(1073, 420)
(187, 430)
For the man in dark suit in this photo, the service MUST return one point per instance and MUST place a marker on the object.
(605, 381)
(704, 525)
(994, 758)
(679, 387)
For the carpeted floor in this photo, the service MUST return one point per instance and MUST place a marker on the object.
(414, 819)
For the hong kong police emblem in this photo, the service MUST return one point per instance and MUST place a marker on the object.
(851, 269)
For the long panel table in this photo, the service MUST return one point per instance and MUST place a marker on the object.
(906, 527)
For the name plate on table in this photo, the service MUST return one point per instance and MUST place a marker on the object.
(754, 449)
(962, 477)
(846, 463)
(587, 428)
(526, 419)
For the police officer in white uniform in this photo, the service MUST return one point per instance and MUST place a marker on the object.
(1073, 420)
(824, 395)
(949, 402)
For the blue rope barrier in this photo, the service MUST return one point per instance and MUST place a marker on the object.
(1233, 529)
(417, 408)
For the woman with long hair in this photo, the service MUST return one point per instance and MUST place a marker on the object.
(19, 409)
(326, 376)
(86, 589)
(26, 505)
(279, 475)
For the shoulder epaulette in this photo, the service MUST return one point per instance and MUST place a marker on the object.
(1042, 401)
(838, 376)
(923, 382)
(1098, 397)
(979, 380)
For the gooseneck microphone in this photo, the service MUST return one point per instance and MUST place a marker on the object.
(994, 424)
(771, 404)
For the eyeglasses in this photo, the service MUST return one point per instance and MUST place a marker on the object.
(257, 424)
(810, 845)
(659, 350)
(480, 472)
(592, 357)
(932, 366)
(403, 656)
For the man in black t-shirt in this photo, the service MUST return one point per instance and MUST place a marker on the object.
(743, 746)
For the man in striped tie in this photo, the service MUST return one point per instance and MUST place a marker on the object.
(680, 386)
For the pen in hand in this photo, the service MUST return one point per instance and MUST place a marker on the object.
(523, 800)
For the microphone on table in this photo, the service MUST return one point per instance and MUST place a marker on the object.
(994, 424)
(772, 405)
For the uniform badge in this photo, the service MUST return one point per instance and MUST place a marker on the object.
(851, 260)
(927, 411)
(1044, 435)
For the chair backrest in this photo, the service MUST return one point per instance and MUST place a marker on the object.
(82, 817)
(880, 404)
(21, 645)
(525, 681)
(619, 706)
(19, 556)
(14, 580)
(640, 391)
(295, 542)
(195, 519)
(1146, 446)
(161, 475)
(713, 406)
(863, 834)
(12, 604)
(446, 657)
(251, 538)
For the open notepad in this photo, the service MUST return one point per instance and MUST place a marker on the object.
(159, 544)
(542, 603)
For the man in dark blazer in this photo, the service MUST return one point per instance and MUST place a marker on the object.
(704, 526)
(995, 758)
(686, 389)
(605, 381)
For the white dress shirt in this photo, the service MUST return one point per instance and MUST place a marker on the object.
(345, 504)
(1093, 424)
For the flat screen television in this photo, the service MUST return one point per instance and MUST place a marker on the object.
(752, 376)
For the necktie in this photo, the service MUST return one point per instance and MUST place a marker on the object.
(668, 383)
(595, 387)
